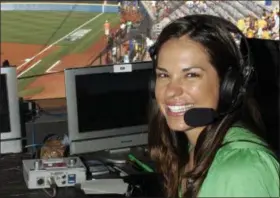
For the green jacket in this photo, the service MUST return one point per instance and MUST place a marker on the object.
(242, 169)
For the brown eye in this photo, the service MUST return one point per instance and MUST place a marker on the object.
(161, 75)
(192, 75)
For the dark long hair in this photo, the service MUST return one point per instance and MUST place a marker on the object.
(169, 149)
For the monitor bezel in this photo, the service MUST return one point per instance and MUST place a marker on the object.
(71, 101)
(13, 103)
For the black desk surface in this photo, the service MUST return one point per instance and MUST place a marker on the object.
(12, 183)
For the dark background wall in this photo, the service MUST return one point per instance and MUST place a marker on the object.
(266, 60)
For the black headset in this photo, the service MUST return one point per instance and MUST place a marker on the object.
(235, 82)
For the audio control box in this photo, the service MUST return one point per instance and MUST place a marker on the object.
(61, 172)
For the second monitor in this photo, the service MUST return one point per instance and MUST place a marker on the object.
(107, 106)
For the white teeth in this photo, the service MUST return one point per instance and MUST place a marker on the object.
(179, 109)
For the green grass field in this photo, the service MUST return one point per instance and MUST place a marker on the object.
(46, 27)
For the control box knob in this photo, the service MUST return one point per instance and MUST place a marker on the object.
(37, 164)
(72, 161)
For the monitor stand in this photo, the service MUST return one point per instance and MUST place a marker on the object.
(118, 156)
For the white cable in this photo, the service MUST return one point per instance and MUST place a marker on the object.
(51, 182)
(49, 194)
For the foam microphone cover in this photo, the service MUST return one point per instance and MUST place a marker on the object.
(197, 117)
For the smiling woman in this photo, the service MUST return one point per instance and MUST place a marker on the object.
(184, 70)
(197, 65)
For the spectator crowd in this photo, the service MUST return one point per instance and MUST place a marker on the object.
(253, 20)
(241, 13)
(265, 27)
(121, 46)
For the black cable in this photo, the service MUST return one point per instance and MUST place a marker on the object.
(43, 111)
(38, 75)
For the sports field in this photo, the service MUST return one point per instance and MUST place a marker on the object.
(44, 41)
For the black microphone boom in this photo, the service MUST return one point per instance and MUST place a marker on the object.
(197, 117)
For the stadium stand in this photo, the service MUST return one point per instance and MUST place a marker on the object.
(254, 19)
(159, 9)
(147, 21)
(127, 43)
(253, 6)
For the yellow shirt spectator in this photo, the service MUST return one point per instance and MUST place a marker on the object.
(241, 24)
(262, 23)
(275, 10)
(139, 48)
(250, 33)
(266, 34)
(136, 47)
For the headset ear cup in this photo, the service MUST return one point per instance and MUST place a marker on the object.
(229, 89)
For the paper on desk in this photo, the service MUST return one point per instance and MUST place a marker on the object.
(104, 186)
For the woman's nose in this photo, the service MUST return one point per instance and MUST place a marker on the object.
(174, 89)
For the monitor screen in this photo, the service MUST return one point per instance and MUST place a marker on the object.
(5, 126)
(109, 100)
(10, 126)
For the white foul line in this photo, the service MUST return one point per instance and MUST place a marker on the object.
(29, 68)
(48, 47)
(55, 64)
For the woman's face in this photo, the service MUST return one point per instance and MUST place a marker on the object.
(185, 79)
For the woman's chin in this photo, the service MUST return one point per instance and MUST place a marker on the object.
(179, 126)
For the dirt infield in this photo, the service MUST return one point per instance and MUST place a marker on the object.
(53, 87)
(17, 54)
(53, 83)
(81, 60)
